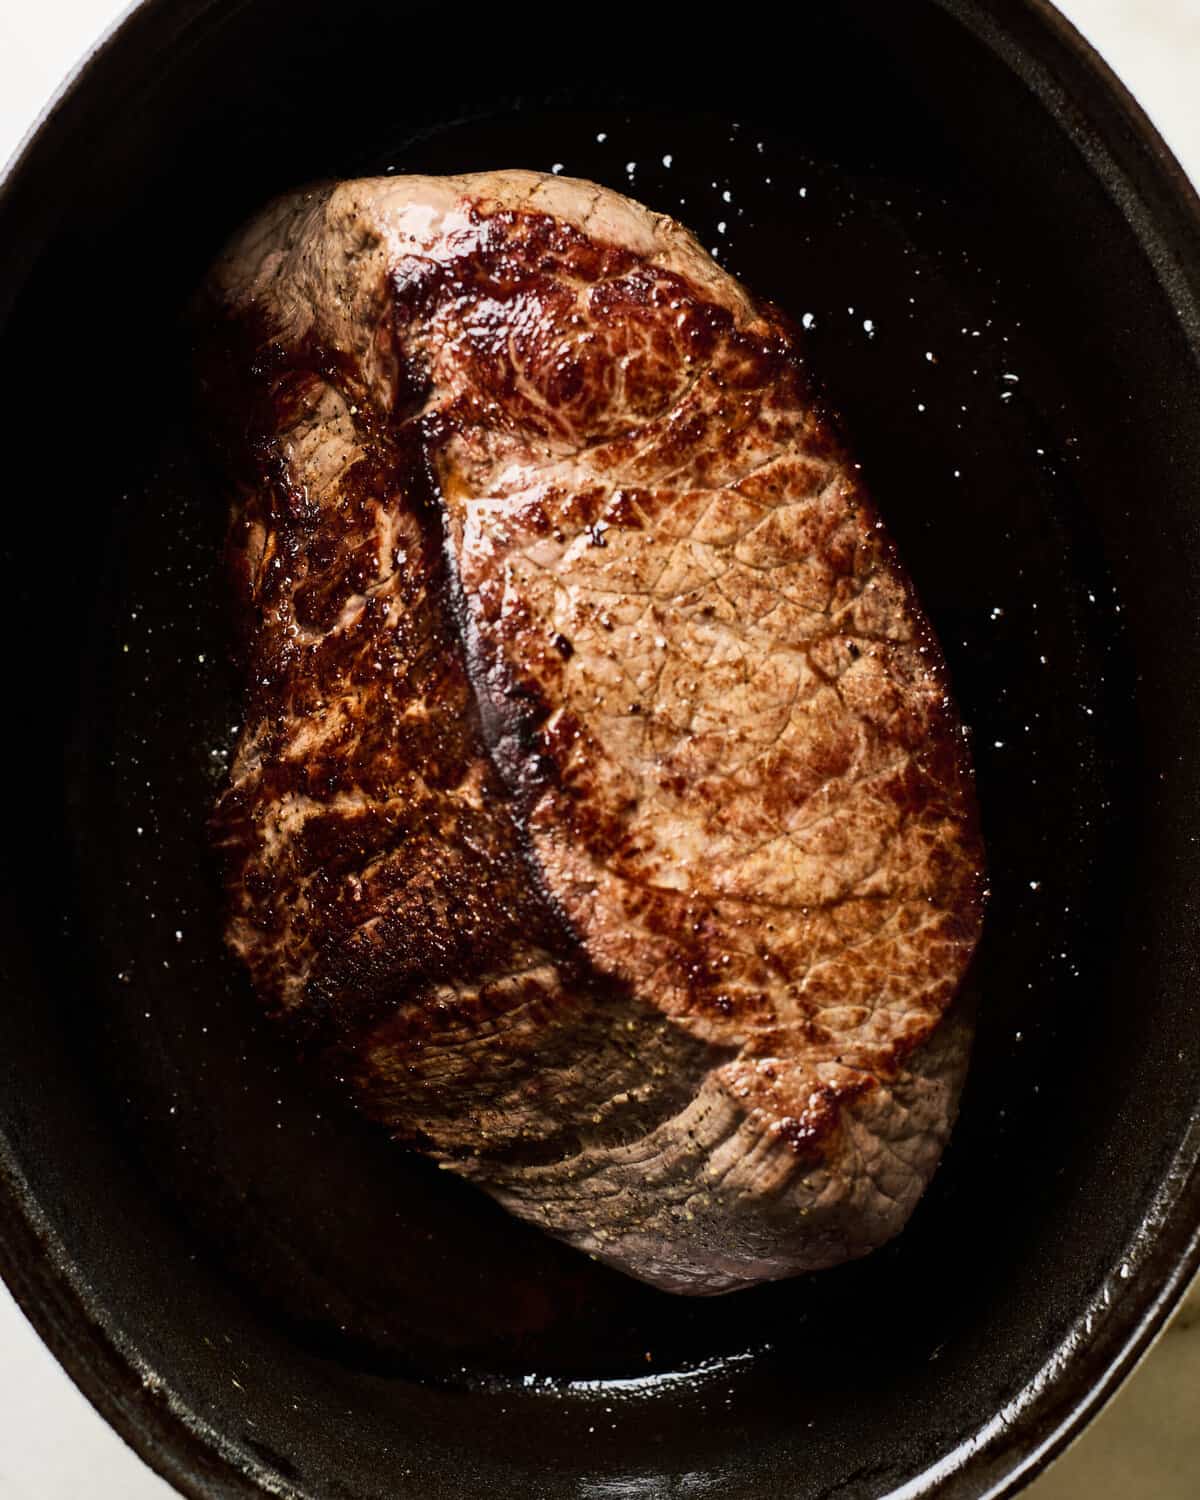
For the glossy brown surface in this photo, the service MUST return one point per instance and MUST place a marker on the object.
(599, 802)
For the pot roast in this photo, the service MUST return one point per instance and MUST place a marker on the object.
(599, 805)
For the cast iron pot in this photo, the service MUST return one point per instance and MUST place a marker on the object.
(997, 263)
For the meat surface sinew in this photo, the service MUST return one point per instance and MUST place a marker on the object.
(599, 805)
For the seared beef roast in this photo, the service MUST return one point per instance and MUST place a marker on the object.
(598, 803)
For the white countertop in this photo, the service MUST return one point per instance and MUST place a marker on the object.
(1146, 1446)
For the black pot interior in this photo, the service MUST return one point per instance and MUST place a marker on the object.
(331, 1314)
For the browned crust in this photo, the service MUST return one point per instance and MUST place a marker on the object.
(433, 842)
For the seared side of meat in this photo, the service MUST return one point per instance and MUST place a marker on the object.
(599, 798)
